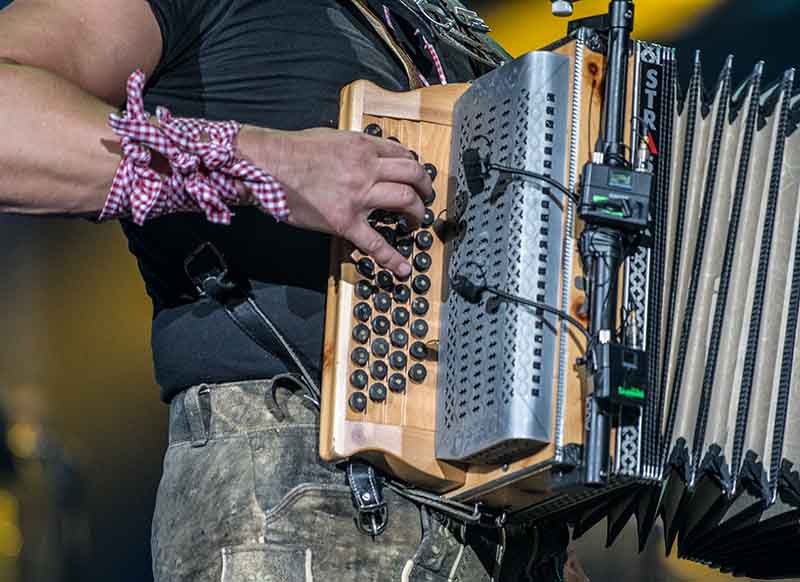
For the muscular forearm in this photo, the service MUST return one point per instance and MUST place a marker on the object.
(57, 153)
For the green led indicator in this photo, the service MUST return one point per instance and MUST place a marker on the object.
(632, 392)
(615, 213)
(599, 198)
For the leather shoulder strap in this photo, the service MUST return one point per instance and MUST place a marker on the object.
(408, 65)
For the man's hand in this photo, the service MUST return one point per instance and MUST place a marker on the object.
(335, 179)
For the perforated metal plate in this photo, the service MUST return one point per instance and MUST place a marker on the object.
(495, 389)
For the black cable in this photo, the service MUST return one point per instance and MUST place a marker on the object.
(472, 292)
(542, 307)
(536, 176)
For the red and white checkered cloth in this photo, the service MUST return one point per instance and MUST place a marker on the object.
(205, 172)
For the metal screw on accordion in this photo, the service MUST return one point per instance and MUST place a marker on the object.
(374, 130)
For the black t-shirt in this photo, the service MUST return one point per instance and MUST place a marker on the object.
(271, 63)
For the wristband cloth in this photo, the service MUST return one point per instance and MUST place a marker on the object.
(205, 173)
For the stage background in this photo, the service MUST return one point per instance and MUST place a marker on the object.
(75, 322)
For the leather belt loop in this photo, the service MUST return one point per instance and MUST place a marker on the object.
(198, 425)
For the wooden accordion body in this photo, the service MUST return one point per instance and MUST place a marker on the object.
(498, 413)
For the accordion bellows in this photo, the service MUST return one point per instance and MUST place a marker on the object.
(720, 322)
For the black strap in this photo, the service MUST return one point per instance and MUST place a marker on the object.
(207, 269)
(366, 488)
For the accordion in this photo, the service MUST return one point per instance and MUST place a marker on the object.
(483, 398)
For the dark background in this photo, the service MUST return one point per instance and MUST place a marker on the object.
(75, 322)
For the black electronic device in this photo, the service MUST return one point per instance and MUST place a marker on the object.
(615, 197)
(620, 375)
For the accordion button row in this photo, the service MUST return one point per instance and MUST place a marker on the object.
(388, 350)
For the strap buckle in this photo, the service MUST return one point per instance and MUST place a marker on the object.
(208, 272)
(366, 489)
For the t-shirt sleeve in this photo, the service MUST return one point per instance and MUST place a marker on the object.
(184, 25)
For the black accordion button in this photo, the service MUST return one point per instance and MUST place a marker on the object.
(419, 328)
(379, 370)
(420, 306)
(399, 338)
(422, 262)
(414, 155)
(424, 240)
(402, 293)
(431, 170)
(421, 284)
(358, 402)
(381, 325)
(430, 198)
(366, 267)
(359, 379)
(398, 360)
(405, 247)
(397, 383)
(385, 280)
(394, 139)
(418, 351)
(360, 356)
(380, 347)
(374, 130)
(362, 312)
(388, 233)
(377, 392)
(361, 333)
(382, 301)
(428, 219)
(363, 290)
(400, 316)
(418, 373)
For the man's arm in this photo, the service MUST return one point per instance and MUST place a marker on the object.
(63, 64)
(63, 67)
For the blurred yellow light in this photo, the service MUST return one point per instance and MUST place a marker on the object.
(22, 440)
(9, 506)
(10, 540)
(522, 25)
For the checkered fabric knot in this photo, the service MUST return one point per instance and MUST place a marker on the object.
(206, 174)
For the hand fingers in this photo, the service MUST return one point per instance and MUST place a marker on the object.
(388, 148)
(405, 172)
(371, 243)
(396, 197)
